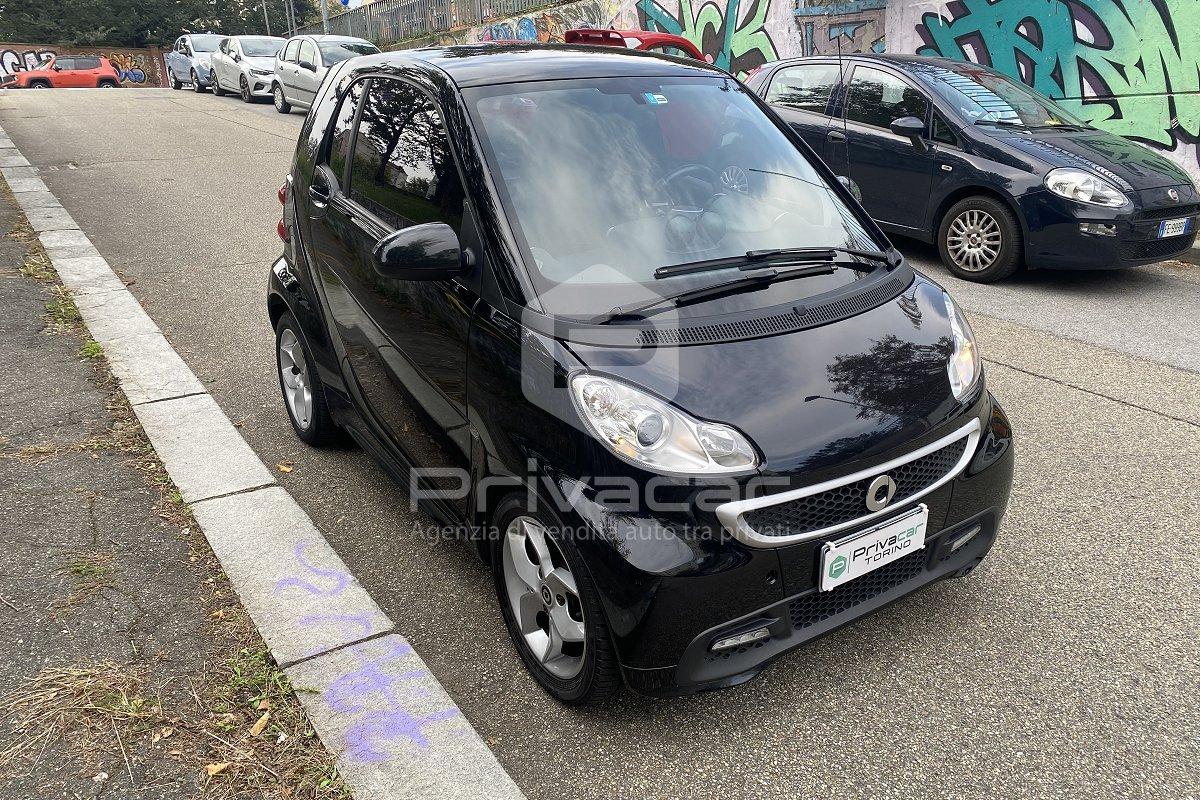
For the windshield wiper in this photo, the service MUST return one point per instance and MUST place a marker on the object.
(733, 286)
(790, 255)
(1004, 123)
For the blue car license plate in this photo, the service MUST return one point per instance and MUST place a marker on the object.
(1174, 227)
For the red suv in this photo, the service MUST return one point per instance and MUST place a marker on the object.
(652, 41)
(66, 72)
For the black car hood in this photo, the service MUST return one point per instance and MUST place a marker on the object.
(1134, 166)
(814, 398)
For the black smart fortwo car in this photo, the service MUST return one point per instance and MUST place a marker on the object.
(994, 173)
(603, 311)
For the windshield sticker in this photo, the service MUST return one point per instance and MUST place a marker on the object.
(655, 99)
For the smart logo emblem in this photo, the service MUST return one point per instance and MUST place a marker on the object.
(837, 567)
(880, 492)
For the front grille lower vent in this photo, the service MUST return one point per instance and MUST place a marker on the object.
(776, 323)
(1136, 250)
(817, 607)
(1168, 212)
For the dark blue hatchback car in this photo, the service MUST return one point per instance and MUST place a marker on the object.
(994, 173)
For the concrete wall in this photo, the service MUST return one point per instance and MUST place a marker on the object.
(1128, 66)
(138, 67)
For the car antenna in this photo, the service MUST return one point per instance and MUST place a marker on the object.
(845, 96)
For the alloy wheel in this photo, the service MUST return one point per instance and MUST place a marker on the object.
(245, 89)
(293, 369)
(278, 98)
(974, 240)
(543, 598)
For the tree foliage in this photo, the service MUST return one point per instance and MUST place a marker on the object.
(138, 23)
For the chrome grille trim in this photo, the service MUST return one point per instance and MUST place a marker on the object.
(732, 514)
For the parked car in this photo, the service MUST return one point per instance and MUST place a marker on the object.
(303, 63)
(66, 72)
(190, 60)
(245, 65)
(648, 41)
(699, 409)
(993, 172)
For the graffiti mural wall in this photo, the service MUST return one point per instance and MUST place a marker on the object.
(1128, 66)
(830, 26)
(137, 67)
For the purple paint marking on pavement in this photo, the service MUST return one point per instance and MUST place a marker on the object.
(340, 578)
(388, 726)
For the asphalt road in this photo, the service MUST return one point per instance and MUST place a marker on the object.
(1065, 666)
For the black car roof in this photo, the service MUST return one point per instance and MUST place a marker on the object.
(490, 63)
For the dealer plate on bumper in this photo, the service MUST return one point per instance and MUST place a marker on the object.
(856, 555)
(1174, 227)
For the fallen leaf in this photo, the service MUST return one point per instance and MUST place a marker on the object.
(218, 614)
(258, 726)
(285, 466)
(264, 704)
(167, 732)
(216, 769)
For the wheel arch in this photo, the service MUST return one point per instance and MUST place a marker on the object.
(977, 190)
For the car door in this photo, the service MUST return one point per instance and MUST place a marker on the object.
(218, 62)
(801, 94)
(173, 58)
(87, 71)
(893, 174)
(68, 75)
(307, 66)
(404, 341)
(285, 69)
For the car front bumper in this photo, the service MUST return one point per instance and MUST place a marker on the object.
(203, 73)
(670, 595)
(1056, 238)
(260, 85)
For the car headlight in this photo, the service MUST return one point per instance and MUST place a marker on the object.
(653, 434)
(964, 367)
(261, 72)
(1084, 186)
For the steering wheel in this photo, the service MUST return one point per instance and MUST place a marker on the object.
(698, 172)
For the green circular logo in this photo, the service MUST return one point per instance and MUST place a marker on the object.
(837, 567)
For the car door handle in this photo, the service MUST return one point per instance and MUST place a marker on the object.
(319, 194)
(836, 136)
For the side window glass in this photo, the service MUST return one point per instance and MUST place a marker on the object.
(289, 52)
(339, 146)
(877, 98)
(65, 63)
(179, 45)
(942, 132)
(87, 63)
(670, 50)
(805, 87)
(403, 171)
(308, 52)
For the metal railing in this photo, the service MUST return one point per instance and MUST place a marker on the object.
(385, 22)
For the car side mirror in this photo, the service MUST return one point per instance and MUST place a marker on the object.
(428, 252)
(56, 68)
(911, 127)
(308, 65)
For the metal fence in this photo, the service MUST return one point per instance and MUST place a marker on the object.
(388, 21)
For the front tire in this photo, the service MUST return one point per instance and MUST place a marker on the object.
(979, 239)
(303, 392)
(216, 85)
(176, 84)
(551, 606)
(197, 87)
(281, 103)
(245, 87)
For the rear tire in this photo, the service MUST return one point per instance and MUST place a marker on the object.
(583, 670)
(281, 103)
(303, 391)
(107, 84)
(979, 240)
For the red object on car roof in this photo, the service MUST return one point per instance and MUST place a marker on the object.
(652, 41)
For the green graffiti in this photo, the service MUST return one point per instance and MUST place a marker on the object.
(738, 48)
(1130, 67)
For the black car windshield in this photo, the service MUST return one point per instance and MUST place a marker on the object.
(255, 48)
(984, 95)
(337, 52)
(606, 180)
(205, 44)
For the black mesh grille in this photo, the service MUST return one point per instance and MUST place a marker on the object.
(1169, 212)
(849, 502)
(1156, 248)
(797, 319)
(813, 608)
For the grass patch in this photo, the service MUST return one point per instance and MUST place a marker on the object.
(61, 314)
(91, 350)
(37, 266)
